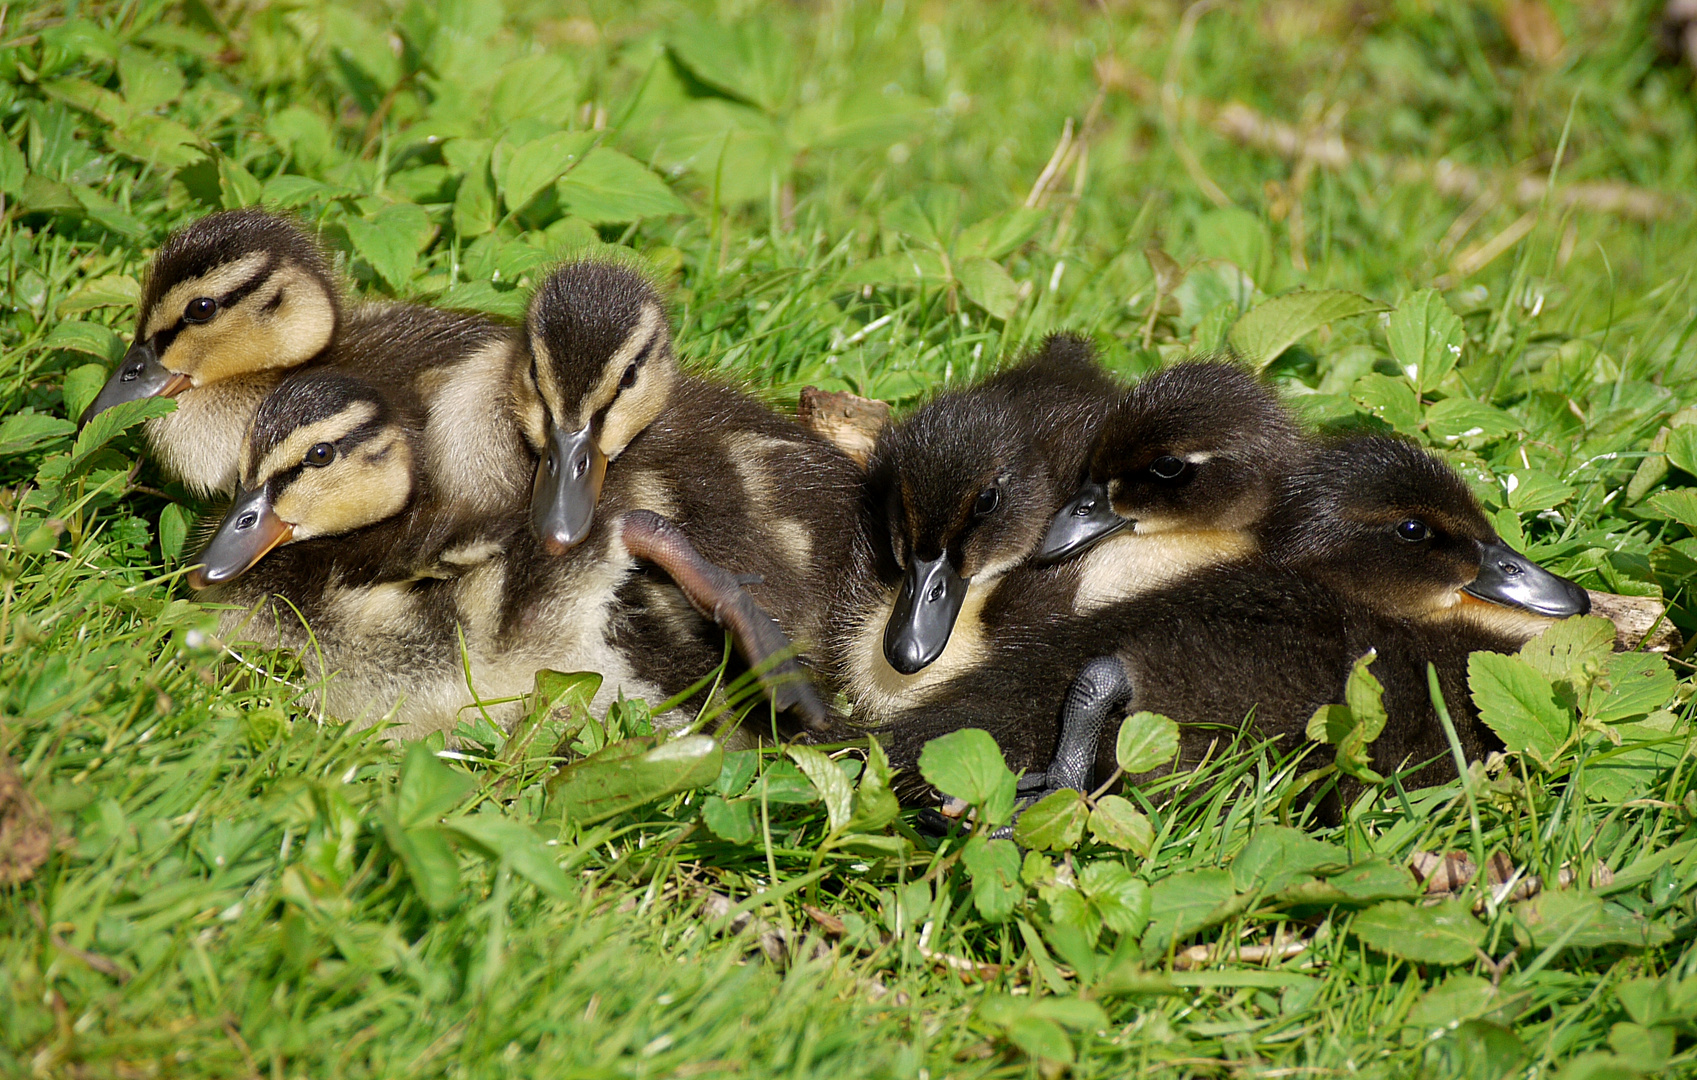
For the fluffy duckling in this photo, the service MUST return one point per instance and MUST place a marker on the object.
(620, 428)
(957, 496)
(1374, 545)
(1180, 477)
(238, 299)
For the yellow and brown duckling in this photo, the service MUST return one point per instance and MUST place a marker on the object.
(1374, 545)
(238, 299)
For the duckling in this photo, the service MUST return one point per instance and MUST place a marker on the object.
(1179, 478)
(238, 299)
(1374, 545)
(957, 497)
(336, 536)
(618, 427)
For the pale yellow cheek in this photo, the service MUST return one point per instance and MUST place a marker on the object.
(246, 339)
(360, 490)
(635, 409)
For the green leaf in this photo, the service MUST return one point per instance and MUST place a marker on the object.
(1364, 695)
(148, 80)
(529, 168)
(13, 168)
(173, 530)
(1041, 1038)
(1274, 325)
(1645, 754)
(1571, 649)
(1366, 882)
(875, 805)
(1146, 741)
(113, 290)
(736, 772)
(1531, 490)
(1455, 419)
(237, 187)
(288, 191)
(1391, 400)
(390, 242)
(1181, 905)
(609, 188)
(1680, 504)
(154, 140)
(1458, 998)
(997, 237)
(630, 773)
(1587, 921)
(734, 820)
(1426, 338)
(988, 285)
(1682, 447)
(994, 866)
(429, 788)
(784, 784)
(1353, 726)
(86, 337)
(967, 764)
(1632, 684)
(1119, 897)
(1517, 702)
(428, 861)
(902, 268)
(517, 845)
(834, 788)
(1278, 855)
(1117, 823)
(1446, 933)
(1053, 823)
(118, 418)
(26, 430)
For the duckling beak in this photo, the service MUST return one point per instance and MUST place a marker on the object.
(568, 485)
(1089, 517)
(249, 530)
(924, 614)
(139, 375)
(1509, 578)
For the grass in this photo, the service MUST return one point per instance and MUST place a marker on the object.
(885, 199)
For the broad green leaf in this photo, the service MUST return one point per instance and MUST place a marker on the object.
(1278, 855)
(156, 141)
(748, 60)
(13, 168)
(26, 430)
(1682, 447)
(968, 764)
(1274, 325)
(1632, 684)
(113, 290)
(1458, 998)
(82, 383)
(1366, 882)
(1531, 490)
(517, 845)
(997, 237)
(429, 862)
(557, 692)
(902, 268)
(110, 422)
(994, 867)
(875, 805)
(736, 772)
(108, 214)
(173, 530)
(1117, 823)
(1426, 338)
(237, 186)
(1455, 419)
(630, 773)
(1641, 761)
(784, 784)
(1364, 695)
(1680, 504)
(148, 80)
(529, 168)
(1146, 741)
(289, 191)
(834, 788)
(1593, 922)
(86, 337)
(735, 820)
(1119, 897)
(1391, 400)
(1053, 823)
(1041, 1038)
(1571, 648)
(609, 188)
(1181, 905)
(1517, 702)
(390, 242)
(988, 285)
(1446, 933)
(429, 788)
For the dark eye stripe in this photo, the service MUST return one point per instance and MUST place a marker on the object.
(163, 339)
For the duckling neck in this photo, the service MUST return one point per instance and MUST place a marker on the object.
(1133, 563)
(201, 442)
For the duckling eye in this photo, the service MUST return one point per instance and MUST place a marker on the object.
(200, 309)
(320, 455)
(1166, 467)
(1413, 531)
(988, 501)
(629, 378)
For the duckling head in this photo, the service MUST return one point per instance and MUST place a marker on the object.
(236, 293)
(602, 370)
(1393, 527)
(966, 495)
(1199, 446)
(327, 454)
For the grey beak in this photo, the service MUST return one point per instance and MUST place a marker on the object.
(568, 485)
(1509, 578)
(139, 375)
(1088, 518)
(924, 614)
(248, 532)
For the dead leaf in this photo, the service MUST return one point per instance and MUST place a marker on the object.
(26, 832)
(1533, 29)
(849, 422)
